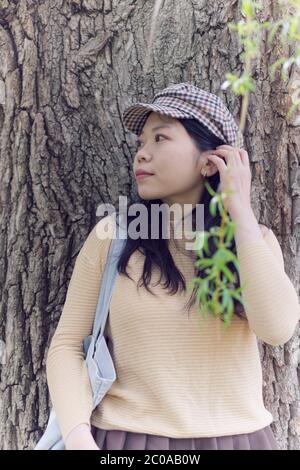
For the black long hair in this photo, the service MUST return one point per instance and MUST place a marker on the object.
(156, 251)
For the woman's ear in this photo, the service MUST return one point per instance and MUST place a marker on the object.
(206, 167)
(210, 168)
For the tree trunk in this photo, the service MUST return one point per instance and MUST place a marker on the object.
(67, 72)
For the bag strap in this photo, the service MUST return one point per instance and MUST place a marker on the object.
(110, 275)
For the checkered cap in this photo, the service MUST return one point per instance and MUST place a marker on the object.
(184, 100)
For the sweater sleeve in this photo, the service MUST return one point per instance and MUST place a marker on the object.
(272, 305)
(66, 371)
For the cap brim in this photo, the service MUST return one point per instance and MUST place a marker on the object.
(135, 116)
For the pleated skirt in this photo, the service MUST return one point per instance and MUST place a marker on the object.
(262, 439)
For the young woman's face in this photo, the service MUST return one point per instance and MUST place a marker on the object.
(173, 158)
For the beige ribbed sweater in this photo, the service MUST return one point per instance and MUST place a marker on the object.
(177, 375)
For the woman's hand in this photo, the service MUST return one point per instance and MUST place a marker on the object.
(235, 175)
(81, 438)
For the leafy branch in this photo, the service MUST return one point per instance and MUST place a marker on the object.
(215, 293)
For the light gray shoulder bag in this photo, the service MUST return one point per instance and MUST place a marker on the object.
(99, 363)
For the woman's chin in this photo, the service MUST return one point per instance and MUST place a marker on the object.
(148, 194)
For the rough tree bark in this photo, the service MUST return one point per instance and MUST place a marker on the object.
(67, 71)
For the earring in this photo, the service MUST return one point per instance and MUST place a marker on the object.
(204, 173)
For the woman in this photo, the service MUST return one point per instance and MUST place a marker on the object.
(182, 381)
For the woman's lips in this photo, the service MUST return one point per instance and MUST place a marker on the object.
(142, 176)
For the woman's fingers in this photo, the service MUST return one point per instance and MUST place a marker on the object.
(219, 162)
(244, 157)
(230, 154)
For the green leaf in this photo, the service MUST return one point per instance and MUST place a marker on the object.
(273, 32)
(229, 311)
(225, 297)
(213, 205)
(247, 8)
(205, 262)
(206, 247)
(237, 296)
(275, 65)
(209, 188)
(230, 231)
(228, 273)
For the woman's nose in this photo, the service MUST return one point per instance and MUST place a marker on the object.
(143, 156)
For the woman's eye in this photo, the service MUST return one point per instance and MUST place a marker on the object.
(138, 142)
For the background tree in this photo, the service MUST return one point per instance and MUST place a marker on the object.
(68, 69)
